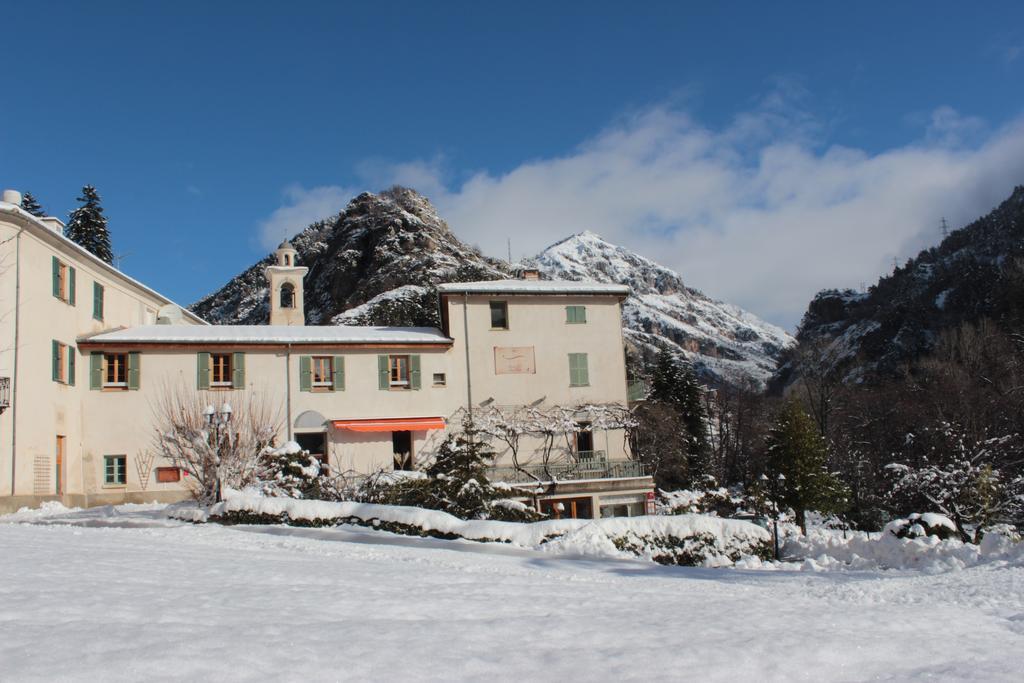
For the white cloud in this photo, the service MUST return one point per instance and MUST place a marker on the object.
(301, 208)
(757, 213)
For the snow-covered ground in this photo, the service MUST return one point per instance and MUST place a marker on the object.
(128, 594)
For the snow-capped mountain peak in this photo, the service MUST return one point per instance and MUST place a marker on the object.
(724, 342)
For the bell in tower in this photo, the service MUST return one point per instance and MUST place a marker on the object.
(285, 278)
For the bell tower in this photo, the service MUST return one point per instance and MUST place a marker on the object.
(285, 280)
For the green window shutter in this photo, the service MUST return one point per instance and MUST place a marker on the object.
(575, 314)
(383, 370)
(570, 314)
(203, 370)
(305, 373)
(71, 366)
(133, 370)
(56, 360)
(581, 314)
(71, 286)
(238, 370)
(97, 301)
(339, 373)
(414, 371)
(95, 370)
(578, 371)
(56, 277)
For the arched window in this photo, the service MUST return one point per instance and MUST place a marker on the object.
(287, 259)
(287, 295)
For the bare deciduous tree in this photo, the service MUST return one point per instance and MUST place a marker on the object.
(214, 456)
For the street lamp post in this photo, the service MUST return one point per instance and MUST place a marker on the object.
(218, 420)
(780, 482)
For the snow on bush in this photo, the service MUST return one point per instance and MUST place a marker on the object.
(917, 525)
(677, 539)
(824, 549)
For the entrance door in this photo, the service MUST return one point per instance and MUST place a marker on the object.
(315, 443)
(59, 487)
(401, 443)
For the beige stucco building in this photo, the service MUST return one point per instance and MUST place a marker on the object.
(88, 353)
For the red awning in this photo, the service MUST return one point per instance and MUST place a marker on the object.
(391, 424)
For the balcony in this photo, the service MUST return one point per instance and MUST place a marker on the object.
(583, 465)
(5, 393)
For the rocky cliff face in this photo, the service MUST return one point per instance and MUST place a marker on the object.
(976, 272)
(378, 263)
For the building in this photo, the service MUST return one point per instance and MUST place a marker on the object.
(87, 374)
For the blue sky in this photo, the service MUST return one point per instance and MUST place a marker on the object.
(765, 150)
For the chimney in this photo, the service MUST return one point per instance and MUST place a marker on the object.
(12, 197)
(530, 274)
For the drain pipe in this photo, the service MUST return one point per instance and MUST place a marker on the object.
(469, 374)
(14, 373)
(288, 384)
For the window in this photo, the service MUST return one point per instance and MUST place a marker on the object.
(167, 475)
(439, 379)
(214, 370)
(220, 369)
(499, 315)
(579, 375)
(584, 439)
(115, 371)
(399, 372)
(63, 363)
(115, 471)
(575, 315)
(323, 371)
(287, 295)
(63, 281)
(97, 301)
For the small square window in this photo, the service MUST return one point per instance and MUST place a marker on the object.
(499, 315)
(115, 470)
(439, 379)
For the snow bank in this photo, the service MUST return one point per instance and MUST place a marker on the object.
(676, 539)
(824, 549)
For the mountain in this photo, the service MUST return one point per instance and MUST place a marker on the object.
(377, 260)
(378, 263)
(975, 272)
(724, 342)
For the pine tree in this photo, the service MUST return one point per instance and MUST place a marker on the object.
(31, 204)
(673, 382)
(87, 225)
(798, 452)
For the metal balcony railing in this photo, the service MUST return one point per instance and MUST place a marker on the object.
(582, 465)
(5, 393)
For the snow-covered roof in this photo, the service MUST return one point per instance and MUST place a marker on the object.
(269, 334)
(532, 287)
(84, 253)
